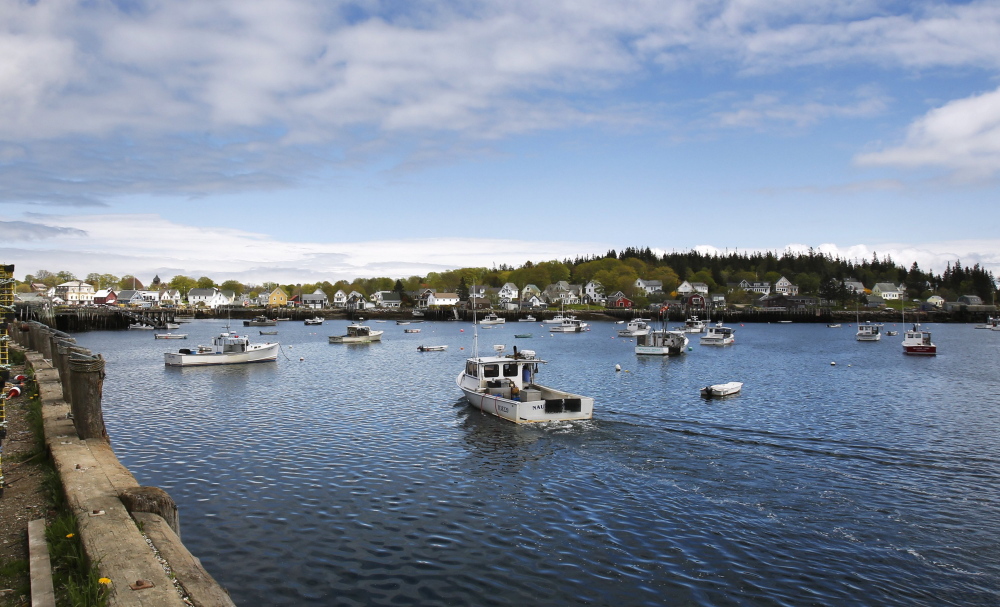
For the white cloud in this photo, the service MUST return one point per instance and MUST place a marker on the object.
(962, 135)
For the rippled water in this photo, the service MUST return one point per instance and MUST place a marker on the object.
(357, 476)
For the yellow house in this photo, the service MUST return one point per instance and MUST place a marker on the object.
(277, 298)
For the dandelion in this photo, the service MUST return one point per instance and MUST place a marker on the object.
(70, 534)
(105, 581)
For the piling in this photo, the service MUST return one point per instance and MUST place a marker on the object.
(86, 376)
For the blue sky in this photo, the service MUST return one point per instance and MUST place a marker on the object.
(300, 141)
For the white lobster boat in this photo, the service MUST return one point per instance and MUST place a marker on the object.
(918, 341)
(718, 335)
(226, 349)
(357, 333)
(170, 335)
(316, 320)
(570, 325)
(694, 325)
(492, 319)
(558, 319)
(869, 331)
(505, 386)
(661, 342)
(635, 328)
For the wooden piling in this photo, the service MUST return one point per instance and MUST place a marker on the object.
(87, 378)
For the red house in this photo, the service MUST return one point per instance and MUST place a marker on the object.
(618, 300)
(105, 296)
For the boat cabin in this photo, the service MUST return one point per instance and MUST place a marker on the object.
(507, 376)
(358, 331)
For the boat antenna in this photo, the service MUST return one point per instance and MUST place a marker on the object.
(475, 326)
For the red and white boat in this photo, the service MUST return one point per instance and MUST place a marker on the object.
(918, 341)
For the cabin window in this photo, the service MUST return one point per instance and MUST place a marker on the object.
(510, 370)
(471, 369)
(491, 370)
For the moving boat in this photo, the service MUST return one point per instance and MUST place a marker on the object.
(492, 319)
(868, 331)
(316, 320)
(432, 348)
(726, 389)
(570, 325)
(918, 341)
(357, 333)
(170, 335)
(505, 386)
(718, 335)
(635, 327)
(694, 325)
(226, 349)
(661, 342)
(260, 321)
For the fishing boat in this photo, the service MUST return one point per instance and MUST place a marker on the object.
(694, 325)
(170, 335)
(523, 335)
(492, 319)
(226, 349)
(718, 335)
(260, 321)
(661, 342)
(918, 341)
(432, 348)
(635, 327)
(528, 318)
(558, 319)
(357, 333)
(868, 331)
(268, 332)
(505, 386)
(726, 389)
(139, 325)
(316, 320)
(835, 325)
(570, 325)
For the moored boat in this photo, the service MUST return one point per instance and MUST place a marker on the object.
(523, 335)
(918, 341)
(635, 327)
(432, 348)
(718, 335)
(558, 319)
(528, 318)
(170, 335)
(316, 320)
(570, 325)
(226, 349)
(357, 333)
(694, 325)
(260, 321)
(726, 389)
(505, 386)
(661, 342)
(492, 319)
(868, 331)
(411, 330)
(268, 332)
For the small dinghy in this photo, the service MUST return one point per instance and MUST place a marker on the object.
(726, 389)
(432, 348)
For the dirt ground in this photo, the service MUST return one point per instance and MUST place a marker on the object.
(23, 499)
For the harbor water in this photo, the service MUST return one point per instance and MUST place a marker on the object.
(356, 475)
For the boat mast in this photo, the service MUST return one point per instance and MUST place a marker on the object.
(475, 325)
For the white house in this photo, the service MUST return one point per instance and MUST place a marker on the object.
(209, 298)
(887, 291)
(442, 299)
(687, 288)
(339, 299)
(785, 287)
(593, 292)
(75, 292)
(650, 286)
(508, 292)
(170, 297)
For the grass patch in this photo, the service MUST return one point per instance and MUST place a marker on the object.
(76, 580)
(14, 575)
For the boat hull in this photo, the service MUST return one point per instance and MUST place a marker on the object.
(355, 339)
(718, 390)
(920, 350)
(555, 405)
(256, 354)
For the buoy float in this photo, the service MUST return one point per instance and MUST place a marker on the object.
(302, 358)
(14, 391)
(833, 364)
(618, 367)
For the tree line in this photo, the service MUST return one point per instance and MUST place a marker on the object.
(814, 273)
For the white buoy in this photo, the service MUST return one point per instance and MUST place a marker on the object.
(302, 358)
(833, 364)
(618, 367)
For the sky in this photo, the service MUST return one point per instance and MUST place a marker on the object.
(301, 141)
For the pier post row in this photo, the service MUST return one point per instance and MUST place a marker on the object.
(115, 514)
